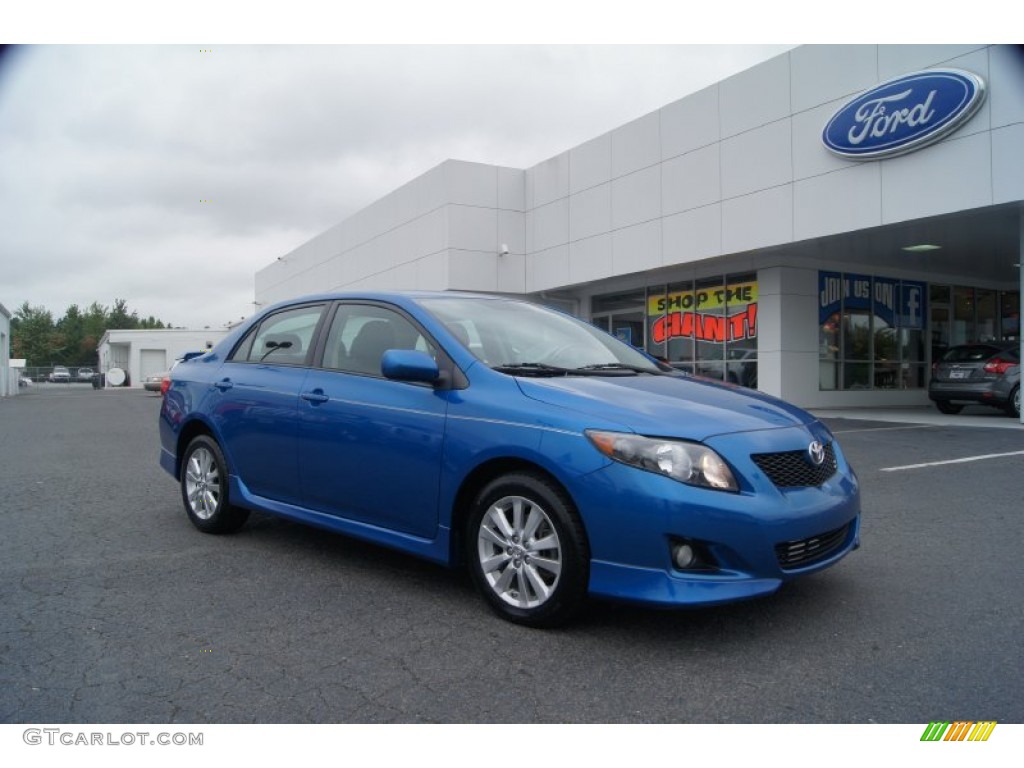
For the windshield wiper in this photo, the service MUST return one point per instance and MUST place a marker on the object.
(596, 369)
(619, 367)
(532, 369)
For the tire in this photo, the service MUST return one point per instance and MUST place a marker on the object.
(947, 407)
(527, 550)
(1013, 404)
(204, 488)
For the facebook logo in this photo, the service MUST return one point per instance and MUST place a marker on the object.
(912, 305)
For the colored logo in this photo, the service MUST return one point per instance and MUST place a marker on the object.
(904, 114)
(959, 731)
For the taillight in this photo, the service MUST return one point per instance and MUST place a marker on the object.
(998, 365)
(165, 384)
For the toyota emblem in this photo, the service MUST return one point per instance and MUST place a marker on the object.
(816, 452)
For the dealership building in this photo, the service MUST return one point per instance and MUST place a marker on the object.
(821, 226)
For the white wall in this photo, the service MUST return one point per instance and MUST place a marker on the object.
(8, 378)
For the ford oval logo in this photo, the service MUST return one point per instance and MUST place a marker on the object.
(904, 114)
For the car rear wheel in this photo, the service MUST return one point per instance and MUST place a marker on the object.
(947, 407)
(204, 488)
(1013, 404)
(527, 550)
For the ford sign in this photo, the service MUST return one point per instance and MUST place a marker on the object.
(904, 114)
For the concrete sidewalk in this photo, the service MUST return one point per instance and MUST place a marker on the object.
(970, 416)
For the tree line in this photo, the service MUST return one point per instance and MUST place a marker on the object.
(72, 339)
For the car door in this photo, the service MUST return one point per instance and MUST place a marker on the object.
(255, 398)
(370, 448)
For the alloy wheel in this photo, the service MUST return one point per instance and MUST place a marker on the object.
(520, 552)
(202, 483)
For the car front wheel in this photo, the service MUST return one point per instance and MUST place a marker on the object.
(947, 407)
(204, 488)
(527, 550)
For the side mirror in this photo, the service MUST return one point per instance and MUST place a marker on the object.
(409, 365)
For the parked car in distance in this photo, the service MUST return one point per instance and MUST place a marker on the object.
(154, 381)
(552, 459)
(60, 375)
(988, 374)
(85, 374)
(161, 382)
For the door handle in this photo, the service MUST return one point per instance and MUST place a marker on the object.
(224, 385)
(315, 397)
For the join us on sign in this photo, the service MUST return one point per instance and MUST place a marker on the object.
(897, 302)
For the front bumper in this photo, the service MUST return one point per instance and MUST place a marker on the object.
(632, 517)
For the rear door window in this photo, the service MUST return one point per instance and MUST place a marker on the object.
(284, 338)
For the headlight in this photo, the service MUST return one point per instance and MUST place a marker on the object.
(689, 463)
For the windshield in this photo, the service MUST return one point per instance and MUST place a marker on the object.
(515, 335)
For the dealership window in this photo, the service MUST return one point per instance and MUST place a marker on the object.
(707, 326)
(941, 327)
(621, 314)
(709, 347)
(679, 346)
(1009, 315)
(962, 314)
(870, 332)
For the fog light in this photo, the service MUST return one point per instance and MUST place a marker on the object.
(684, 556)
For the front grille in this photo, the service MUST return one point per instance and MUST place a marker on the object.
(793, 469)
(797, 554)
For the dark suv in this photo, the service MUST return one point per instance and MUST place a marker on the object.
(988, 374)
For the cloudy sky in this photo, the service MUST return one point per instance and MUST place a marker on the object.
(167, 175)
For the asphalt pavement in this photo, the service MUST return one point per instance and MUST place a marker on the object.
(114, 609)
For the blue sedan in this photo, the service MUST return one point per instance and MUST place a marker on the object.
(552, 459)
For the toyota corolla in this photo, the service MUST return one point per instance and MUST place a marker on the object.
(552, 459)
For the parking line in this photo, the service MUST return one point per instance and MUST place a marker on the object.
(882, 429)
(953, 461)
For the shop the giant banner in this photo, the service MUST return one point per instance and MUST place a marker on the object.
(727, 313)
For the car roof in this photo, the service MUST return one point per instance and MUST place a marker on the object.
(394, 296)
(399, 298)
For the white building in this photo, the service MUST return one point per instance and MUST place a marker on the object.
(8, 375)
(142, 353)
(722, 233)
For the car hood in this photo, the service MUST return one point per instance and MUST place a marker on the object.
(667, 406)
